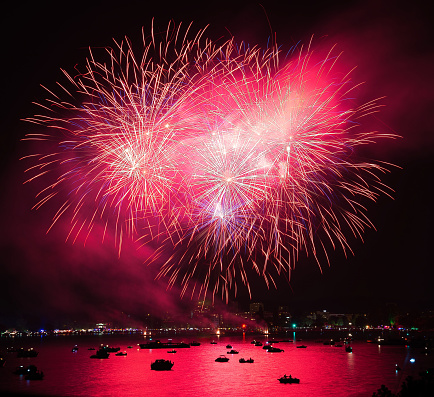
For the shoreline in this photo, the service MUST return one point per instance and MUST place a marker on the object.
(380, 336)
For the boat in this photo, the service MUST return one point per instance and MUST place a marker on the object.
(348, 349)
(129, 347)
(250, 361)
(161, 365)
(232, 352)
(26, 353)
(171, 351)
(213, 343)
(22, 370)
(30, 372)
(228, 346)
(121, 354)
(75, 349)
(274, 350)
(267, 346)
(194, 343)
(301, 347)
(109, 349)
(34, 376)
(163, 345)
(11, 349)
(392, 342)
(253, 342)
(258, 343)
(2, 362)
(101, 353)
(91, 348)
(288, 379)
(338, 345)
(222, 359)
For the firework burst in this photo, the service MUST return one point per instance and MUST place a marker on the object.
(230, 156)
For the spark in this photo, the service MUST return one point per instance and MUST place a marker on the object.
(229, 156)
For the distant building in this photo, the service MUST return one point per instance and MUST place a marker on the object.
(283, 317)
(256, 307)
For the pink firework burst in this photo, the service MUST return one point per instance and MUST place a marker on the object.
(229, 156)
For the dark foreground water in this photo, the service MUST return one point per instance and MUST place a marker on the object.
(322, 370)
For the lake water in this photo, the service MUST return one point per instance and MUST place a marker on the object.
(322, 370)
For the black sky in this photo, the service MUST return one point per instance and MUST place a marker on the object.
(390, 43)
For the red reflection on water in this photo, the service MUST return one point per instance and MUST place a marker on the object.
(322, 370)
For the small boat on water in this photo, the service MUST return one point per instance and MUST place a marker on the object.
(161, 365)
(109, 349)
(101, 353)
(349, 349)
(250, 361)
(129, 347)
(258, 343)
(26, 352)
(30, 372)
(232, 352)
(274, 350)
(164, 345)
(213, 343)
(11, 349)
(75, 349)
(228, 346)
(288, 379)
(121, 354)
(222, 359)
(171, 351)
(194, 343)
(91, 348)
(301, 347)
(22, 370)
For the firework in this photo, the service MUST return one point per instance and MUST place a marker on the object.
(118, 135)
(230, 156)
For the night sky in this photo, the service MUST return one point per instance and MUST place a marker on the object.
(391, 45)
